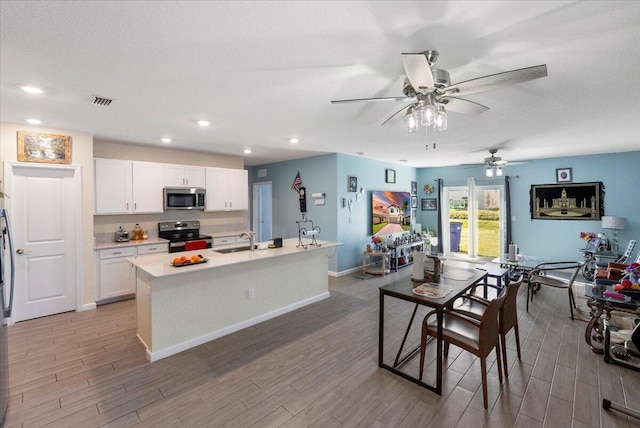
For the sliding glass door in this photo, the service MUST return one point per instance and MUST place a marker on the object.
(473, 221)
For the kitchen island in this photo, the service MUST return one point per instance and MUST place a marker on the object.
(182, 307)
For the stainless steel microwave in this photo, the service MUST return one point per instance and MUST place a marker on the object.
(184, 198)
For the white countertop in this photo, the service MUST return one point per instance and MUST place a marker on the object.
(132, 243)
(159, 265)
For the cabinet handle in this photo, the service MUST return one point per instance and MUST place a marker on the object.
(127, 206)
(135, 206)
(116, 252)
(152, 249)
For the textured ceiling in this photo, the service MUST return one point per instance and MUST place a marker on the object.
(262, 72)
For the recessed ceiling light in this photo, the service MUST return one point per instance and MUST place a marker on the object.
(33, 121)
(203, 123)
(403, 160)
(32, 89)
(294, 140)
(247, 151)
(165, 140)
(359, 153)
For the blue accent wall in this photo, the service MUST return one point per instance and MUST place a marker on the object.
(556, 239)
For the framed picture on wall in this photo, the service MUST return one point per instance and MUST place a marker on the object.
(352, 184)
(390, 175)
(414, 187)
(414, 202)
(429, 204)
(563, 175)
(47, 148)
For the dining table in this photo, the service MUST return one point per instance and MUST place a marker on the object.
(455, 280)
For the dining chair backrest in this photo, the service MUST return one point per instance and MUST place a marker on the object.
(627, 253)
(509, 312)
(489, 326)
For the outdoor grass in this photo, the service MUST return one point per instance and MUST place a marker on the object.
(488, 240)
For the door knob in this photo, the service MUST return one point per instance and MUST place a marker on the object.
(21, 251)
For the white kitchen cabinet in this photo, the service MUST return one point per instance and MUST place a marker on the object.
(147, 187)
(227, 189)
(116, 275)
(113, 190)
(128, 187)
(184, 176)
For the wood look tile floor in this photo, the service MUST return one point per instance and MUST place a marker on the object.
(314, 367)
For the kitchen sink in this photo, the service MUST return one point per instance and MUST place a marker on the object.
(232, 250)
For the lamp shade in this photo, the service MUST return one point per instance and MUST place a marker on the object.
(613, 222)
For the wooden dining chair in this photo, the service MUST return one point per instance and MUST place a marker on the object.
(543, 274)
(478, 337)
(475, 306)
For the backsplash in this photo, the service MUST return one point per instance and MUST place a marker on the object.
(211, 223)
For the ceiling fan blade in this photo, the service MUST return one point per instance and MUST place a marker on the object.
(418, 71)
(485, 83)
(473, 165)
(518, 163)
(394, 115)
(358, 100)
(460, 105)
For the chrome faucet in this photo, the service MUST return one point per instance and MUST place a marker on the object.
(249, 234)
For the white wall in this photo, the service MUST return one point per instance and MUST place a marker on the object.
(82, 155)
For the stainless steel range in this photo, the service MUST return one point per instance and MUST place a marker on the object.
(183, 235)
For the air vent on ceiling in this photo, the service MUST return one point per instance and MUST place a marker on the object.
(100, 101)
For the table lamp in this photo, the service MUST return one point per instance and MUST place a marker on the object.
(614, 223)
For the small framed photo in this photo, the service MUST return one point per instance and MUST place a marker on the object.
(414, 202)
(352, 184)
(48, 148)
(429, 204)
(563, 175)
(390, 175)
(414, 187)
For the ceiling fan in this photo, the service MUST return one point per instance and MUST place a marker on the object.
(430, 91)
(493, 164)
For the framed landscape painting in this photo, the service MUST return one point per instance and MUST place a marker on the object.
(567, 201)
(48, 148)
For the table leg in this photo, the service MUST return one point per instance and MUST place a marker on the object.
(381, 330)
(404, 339)
(439, 355)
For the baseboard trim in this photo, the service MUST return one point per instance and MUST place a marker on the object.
(87, 307)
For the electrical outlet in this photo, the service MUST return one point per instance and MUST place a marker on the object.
(252, 293)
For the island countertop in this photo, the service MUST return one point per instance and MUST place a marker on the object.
(159, 265)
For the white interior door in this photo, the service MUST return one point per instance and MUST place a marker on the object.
(43, 204)
(262, 211)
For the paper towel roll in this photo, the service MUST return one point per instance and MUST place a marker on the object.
(418, 266)
(306, 232)
(513, 251)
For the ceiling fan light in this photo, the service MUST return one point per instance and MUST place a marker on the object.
(499, 171)
(441, 119)
(411, 120)
(428, 115)
(489, 171)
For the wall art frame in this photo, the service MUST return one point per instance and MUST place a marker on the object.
(389, 175)
(429, 204)
(564, 175)
(47, 148)
(352, 184)
(567, 201)
(414, 201)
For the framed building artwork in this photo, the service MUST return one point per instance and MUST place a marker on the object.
(48, 148)
(567, 201)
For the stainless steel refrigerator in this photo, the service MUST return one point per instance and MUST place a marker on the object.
(6, 304)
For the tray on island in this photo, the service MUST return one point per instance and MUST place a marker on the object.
(189, 263)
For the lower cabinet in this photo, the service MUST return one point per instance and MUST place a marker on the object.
(116, 275)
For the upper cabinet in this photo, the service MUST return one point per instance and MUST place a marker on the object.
(227, 189)
(128, 187)
(184, 176)
(113, 186)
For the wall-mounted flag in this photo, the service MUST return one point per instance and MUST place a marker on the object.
(297, 183)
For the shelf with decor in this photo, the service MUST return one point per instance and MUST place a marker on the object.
(402, 255)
